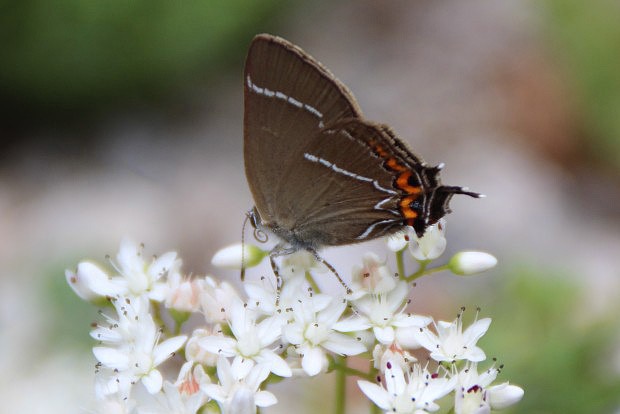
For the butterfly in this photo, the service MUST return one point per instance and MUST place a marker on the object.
(319, 172)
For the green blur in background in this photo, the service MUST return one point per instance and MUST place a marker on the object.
(565, 365)
(71, 56)
(586, 38)
(80, 55)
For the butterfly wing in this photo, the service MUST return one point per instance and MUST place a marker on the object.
(289, 97)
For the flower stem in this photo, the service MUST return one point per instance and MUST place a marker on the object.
(341, 386)
(374, 409)
(159, 321)
(400, 265)
(423, 271)
(340, 365)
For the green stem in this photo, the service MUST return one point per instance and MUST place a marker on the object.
(372, 373)
(374, 409)
(423, 271)
(341, 387)
(419, 272)
(342, 367)
(400, 265)
(159, 321)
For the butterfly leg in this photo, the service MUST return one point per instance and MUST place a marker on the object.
(331, 269)
(279, 250)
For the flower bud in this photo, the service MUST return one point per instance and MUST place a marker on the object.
(232, 257)
(469, 263)
(504, 395)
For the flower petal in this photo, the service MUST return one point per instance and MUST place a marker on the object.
(377, 394)
(112, 358)
(215, 392)
(343, 344)
(242, 402)
(218, 344)
(153, 381)
(276, 364)
(352, 324)
(476, 330)
(265, 399)
(384, 335)
(162, 264)
(164, 350)
(313, 361)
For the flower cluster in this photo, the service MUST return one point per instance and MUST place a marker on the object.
(242, 340)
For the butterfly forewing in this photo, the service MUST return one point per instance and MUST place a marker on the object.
(287, 94)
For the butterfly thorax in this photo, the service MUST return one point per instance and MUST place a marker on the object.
(297, 240)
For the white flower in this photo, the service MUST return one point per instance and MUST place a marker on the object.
(194, 352)
(137, 277)
(263, 296)
(469, 263)
(373, 277)
(313, 332)
(237, 256)
(216, 299)
(252, 340)
(184, 295)
(451, 343)
(381, 354)
(384, 314)
(431, 245)
(238, 389)
(475, 395)
(130, 350)
(184, 396)
(411, 393)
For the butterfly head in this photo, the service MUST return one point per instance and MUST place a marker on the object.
(437, 205)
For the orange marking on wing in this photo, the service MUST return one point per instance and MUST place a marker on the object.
(405, 208)
(394, 165)
(402, 182)
(381, 151)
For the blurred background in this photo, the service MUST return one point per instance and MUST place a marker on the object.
(125, 119)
